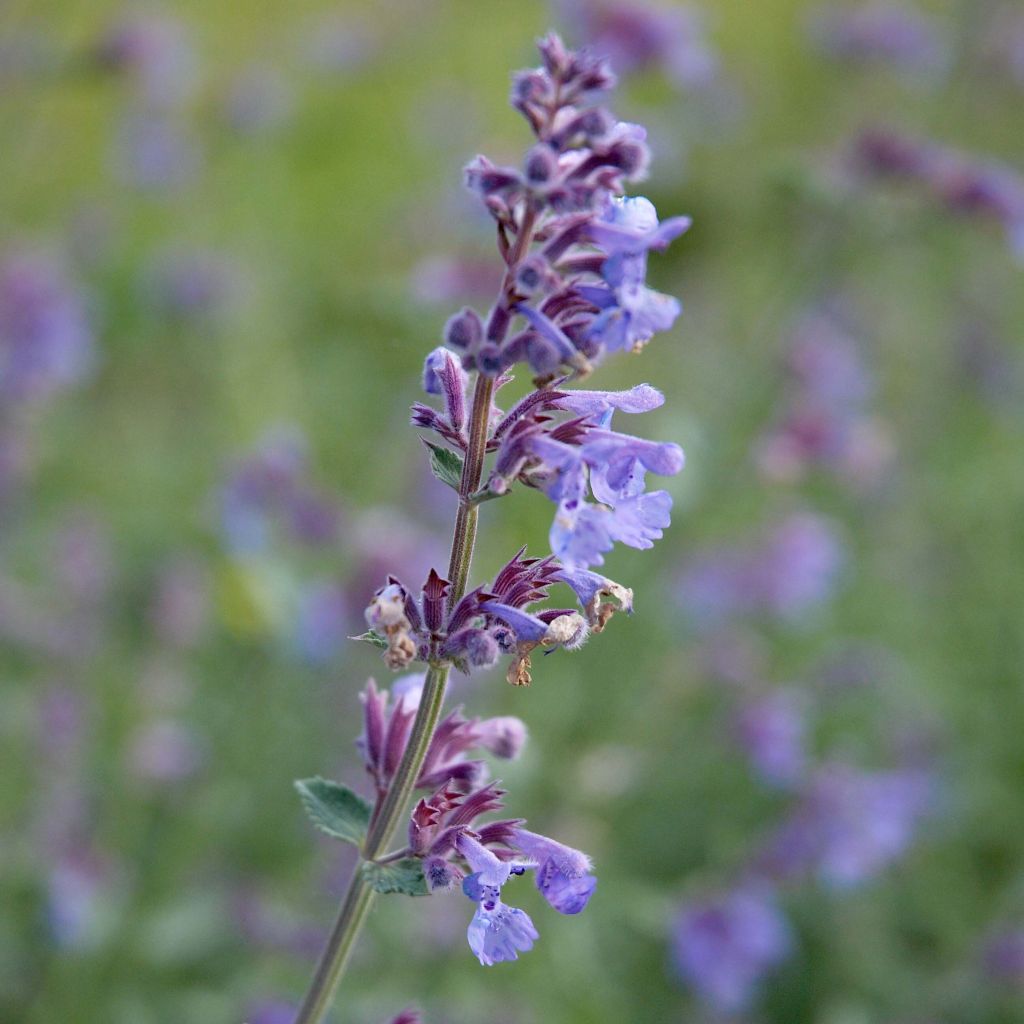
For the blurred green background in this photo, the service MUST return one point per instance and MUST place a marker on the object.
(256, 234)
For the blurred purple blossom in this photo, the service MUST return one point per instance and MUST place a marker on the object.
(339, 43)
(850, 824)
(323, 623)
(155, 150)
(824, 420)
(634, 35)
(785, 573)
(154, 51)
(771, 728)
(1003, 956)
(271, 1011)
(724, 946)
(269, 491)
(191, 283)
(1002, 42)
(46, 342)
(165, 751)
(964, 184)
(181, 602)
(879, 32)
(258, 100)
(448, 280)
(76, 893)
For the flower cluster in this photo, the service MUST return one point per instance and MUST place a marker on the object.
(494, 620)
(825, 421)
(635, 36)
(575, 251)
(445, 833)
(879, 33)
(784, 574)
(962, 183)
(573, 289)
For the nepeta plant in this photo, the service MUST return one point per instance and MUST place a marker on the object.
(575, 254)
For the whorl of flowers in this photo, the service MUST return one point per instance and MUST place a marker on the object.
(575, 256)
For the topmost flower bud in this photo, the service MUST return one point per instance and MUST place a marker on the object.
(557, 59)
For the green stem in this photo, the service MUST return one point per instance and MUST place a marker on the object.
(359, 898)
(351, 915)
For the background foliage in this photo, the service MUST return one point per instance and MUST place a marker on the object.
(156, 865)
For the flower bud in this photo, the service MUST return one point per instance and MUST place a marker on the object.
(464, 331)
(489, 360)
(482, 649)
(541, 165)
(504, 737)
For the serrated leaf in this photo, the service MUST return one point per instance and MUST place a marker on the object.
(369, 637)
(445, 464)
(335, 809)
(404, 876)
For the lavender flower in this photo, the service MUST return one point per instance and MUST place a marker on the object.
(963, 184)
(784, 574)
(497, 932)
(850, 824)
(155, 150)
(563, 874)
(579, 293)
(575, 254)
(155, 53)
(1003, 956)
(879, 33)
(46, 342)
(725, 945)
(635, 36)
(771, 730)
(386, 732)
(270, 489)
(191, 284)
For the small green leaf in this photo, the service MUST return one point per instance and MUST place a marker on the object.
(335, 809)
(404, 876)
(369, 637)
(445, 464)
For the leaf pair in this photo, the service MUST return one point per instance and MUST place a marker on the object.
(339, 812)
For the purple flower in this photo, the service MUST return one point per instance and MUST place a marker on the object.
(270, 489)
(724, 946)
(783, 574)
(386, 732)
(46, 343)
(879, 32)
(500, 933)
(155, 150)
(155, 51)
(850, 824)
(635, 36)
(497, 932)
(966, 185)
(614, 465)
(271, 1011)
(563, 874)
(321, 623)
(192, 284)
(798, 565)
(579, 290)
(1003, 956)
(771, 729)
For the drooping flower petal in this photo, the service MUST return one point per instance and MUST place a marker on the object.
(500, 935)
